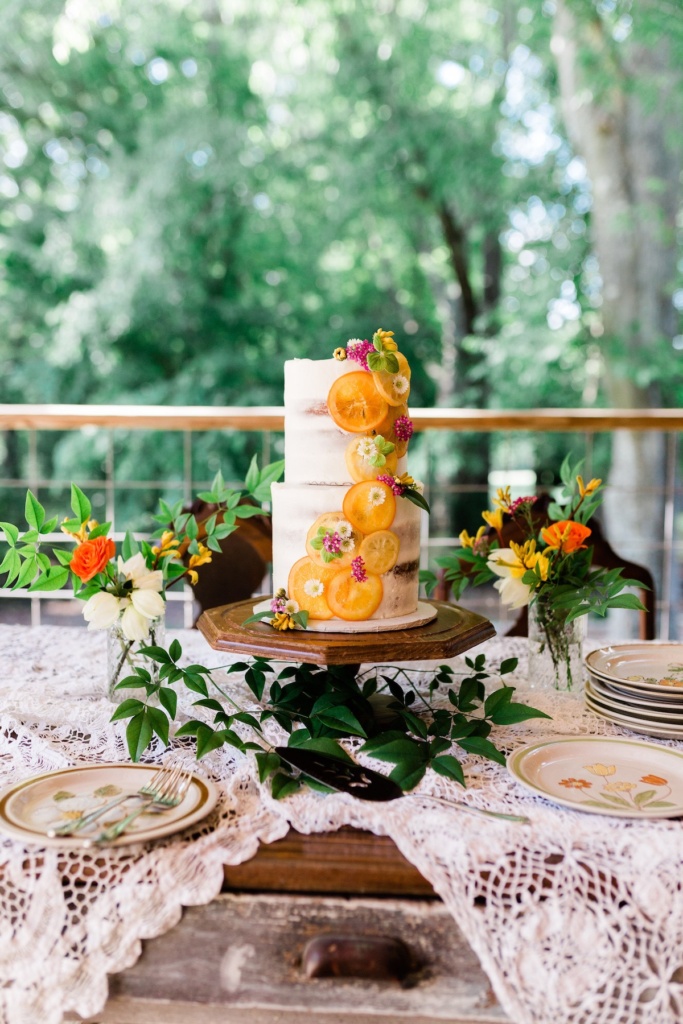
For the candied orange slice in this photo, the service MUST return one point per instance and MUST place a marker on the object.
(386, 428)
(370, 506)
(309, 585)
(379, 551)
(361, 468)
(394, 387)
(350, 539)
(355, 403)
(354, 601)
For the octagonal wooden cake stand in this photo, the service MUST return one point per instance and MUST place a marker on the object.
(451, 632)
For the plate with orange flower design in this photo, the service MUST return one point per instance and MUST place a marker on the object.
(603, 775)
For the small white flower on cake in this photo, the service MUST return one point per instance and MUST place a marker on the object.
(291, 607)
(366, 448)
(344, 529)
(377, 496)
(347, 545)
(314, 588)
(400, 384)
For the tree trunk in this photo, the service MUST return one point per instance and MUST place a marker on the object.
(634, 171)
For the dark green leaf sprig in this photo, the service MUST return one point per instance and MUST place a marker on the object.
(225, 520)
(319, 706)
(382, 359)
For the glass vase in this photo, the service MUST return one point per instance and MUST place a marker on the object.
(124, 656)
(555, 649)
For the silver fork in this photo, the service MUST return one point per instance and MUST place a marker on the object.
(146, 793)
(169, 794)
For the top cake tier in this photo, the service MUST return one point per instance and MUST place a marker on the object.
(314, 444)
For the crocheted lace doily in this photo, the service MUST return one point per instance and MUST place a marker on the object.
(576, 918)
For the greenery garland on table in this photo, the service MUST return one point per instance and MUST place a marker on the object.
(318, 706)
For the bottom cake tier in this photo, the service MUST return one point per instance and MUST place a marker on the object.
(297, 506)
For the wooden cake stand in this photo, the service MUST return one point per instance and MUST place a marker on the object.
(453, 631)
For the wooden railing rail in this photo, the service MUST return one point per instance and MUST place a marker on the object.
(267, 418)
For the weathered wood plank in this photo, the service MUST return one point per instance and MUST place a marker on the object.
(348, 862)
(239, 960)
(193, 417)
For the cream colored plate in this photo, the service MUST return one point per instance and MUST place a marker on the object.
(665, 732)
(28, 809)
(640, 665)
(424, 613)
(634, 694)
(603, 775)
(673, 714)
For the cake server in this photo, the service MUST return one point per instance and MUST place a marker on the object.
(366, 784)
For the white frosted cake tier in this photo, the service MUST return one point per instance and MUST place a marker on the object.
(295, 509)
(314, 444)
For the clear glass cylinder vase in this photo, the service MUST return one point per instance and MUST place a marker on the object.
(555, 649)
(124, 656)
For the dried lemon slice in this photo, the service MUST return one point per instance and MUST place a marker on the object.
(379, 551)
(394, 387)
(358, 455)
(370, 506)
(309, 584)
(347, 540)
(354, 601)
(355, 404)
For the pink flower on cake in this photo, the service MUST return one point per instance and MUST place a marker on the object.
(332, 543)
(358, 570)
(403, 428)
(390, 481)
(359, 350)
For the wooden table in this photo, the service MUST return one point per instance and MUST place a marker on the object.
(344, 902)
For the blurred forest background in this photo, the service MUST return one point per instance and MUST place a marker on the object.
(194, 191)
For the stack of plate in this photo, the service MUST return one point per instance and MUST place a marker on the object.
(638, 686)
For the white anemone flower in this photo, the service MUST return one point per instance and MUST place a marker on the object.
(135, 569)
(148, 603)
(506, 563)
(101, 610)
(134, 625)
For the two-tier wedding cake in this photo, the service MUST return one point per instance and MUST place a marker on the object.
(346, 520)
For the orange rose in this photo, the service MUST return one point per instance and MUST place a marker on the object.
(91, 556)
(566, 536)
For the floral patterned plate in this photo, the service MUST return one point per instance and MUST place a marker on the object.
(664, 730)
(29, 808)
(603, 775)
(671, 714)
(656, 667)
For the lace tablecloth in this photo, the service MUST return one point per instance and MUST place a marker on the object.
(576, 918)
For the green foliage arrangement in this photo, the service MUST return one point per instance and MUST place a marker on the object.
(320, 706)
(127, 586)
